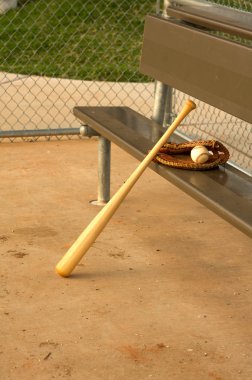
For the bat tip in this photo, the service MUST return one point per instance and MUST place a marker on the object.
(60, 272)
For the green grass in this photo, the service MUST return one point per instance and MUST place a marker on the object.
(91, 40)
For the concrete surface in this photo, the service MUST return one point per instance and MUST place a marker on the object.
(5, 5)
(164, 293)
(34, 102)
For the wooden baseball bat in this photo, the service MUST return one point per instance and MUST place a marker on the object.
(75, 253)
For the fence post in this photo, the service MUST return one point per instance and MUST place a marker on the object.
(163, 97)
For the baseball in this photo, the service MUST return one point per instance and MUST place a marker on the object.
(199, 154)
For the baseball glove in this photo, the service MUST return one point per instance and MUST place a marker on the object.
(178, 155)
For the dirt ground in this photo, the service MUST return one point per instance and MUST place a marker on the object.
(164, 293)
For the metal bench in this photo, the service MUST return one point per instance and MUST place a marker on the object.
(221, 76)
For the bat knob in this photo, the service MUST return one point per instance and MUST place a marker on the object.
(190, 104)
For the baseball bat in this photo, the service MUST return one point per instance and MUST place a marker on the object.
(75, 253)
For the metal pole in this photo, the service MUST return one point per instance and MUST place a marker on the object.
(162, 108)
(104, 154)
(157, 7)
(159, 106)
(168, 115)
(104, 149)
(41, 132)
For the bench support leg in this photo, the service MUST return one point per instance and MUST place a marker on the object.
(104, 149)
(104, 153)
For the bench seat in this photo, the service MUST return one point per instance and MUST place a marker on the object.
(226, 190)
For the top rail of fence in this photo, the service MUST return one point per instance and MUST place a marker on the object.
(212, 16)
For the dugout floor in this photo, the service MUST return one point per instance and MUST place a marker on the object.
(164, 293)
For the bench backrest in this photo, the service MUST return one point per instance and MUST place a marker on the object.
(210, 68)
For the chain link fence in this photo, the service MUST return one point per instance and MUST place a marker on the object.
(58, 54)
(210, 123)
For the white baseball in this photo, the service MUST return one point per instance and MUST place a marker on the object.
(199, 154)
